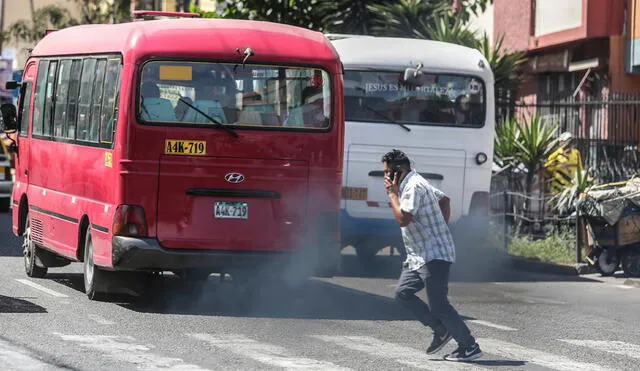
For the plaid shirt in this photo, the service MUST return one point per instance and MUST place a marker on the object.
(428, 236)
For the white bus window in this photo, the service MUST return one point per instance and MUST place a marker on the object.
(443, 99)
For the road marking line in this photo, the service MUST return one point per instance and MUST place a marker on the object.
(402, 354)
(615, 347)
(41, 288)
(269, 354)
(123, 348)
(100, 320)
(624, 286)
(491, 324)
(552, 361)
(14, 358)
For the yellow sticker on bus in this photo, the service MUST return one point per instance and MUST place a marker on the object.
(108, 159)
(185, 147)
(177, 73)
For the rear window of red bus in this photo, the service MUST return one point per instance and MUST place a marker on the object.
(250, 96)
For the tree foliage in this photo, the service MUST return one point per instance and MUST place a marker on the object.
(57, 17)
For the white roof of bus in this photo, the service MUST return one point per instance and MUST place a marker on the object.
(400, 53)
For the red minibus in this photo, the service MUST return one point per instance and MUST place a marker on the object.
(191, 146)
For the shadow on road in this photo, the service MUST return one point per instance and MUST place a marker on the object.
(470, 266)
(9, 244)
(18, 305)
(316, 300)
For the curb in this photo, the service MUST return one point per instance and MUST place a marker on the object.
(536, 266)
(635, 282)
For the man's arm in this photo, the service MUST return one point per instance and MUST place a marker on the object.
(445, 206)
(404, 218)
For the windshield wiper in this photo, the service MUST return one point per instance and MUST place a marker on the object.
(223, 126)
(405, 127)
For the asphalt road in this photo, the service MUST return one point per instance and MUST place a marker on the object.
(523, 321)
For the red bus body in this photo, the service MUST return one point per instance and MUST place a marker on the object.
(291, 178)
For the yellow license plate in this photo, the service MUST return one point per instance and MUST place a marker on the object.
(353, 193)
(185, 147)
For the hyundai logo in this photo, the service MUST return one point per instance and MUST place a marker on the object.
(234, 178)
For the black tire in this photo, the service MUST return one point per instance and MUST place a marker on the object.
(366, 253)
(607, 269)
(93, 276)
(630, 262)
(30, 252)
(5, 204)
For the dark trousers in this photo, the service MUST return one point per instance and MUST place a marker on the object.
(435, 276)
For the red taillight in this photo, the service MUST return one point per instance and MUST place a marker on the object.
(129, 220)
(479, 204)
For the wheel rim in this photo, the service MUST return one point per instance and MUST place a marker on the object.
(88, 272)
(602, 262)
(27, 246)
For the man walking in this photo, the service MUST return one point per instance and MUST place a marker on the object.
(423, 213)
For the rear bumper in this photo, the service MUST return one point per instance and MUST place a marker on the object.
(131, 253)
(469, 227)
(351, 226)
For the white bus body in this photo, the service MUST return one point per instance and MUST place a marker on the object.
(450, 142)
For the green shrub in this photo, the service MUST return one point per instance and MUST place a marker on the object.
(558, 247)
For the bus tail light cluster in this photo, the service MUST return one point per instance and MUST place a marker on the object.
(129, 220)
(479, 204)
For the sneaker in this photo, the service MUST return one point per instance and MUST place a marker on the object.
(438, 342)
(463, 354)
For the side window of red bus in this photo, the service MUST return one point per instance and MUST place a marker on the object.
(109, 101)
(25, 108)
(84, 102)
(41, 80)
(48, 100)
(62, 94)
(69, 130)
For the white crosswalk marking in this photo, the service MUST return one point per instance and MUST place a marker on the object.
(491, 324)
(123, 348)
(269, 354)
(402, 354)
(552, 361)
(14, 358)
(615, 347)
(41, 288)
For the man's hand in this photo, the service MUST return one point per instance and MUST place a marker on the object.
(391, 185)
(393, 190)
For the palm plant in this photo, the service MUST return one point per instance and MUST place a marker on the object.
(505, 66)
(565, 202)
(348, 16)
(505, 149)
(536, 143)
(451, 30)
(407, 18)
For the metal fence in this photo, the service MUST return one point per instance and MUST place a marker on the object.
(607, 130)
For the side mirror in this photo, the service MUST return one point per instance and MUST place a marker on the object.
(10, 85)
(9, 122)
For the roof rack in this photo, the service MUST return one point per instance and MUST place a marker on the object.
(146, 14)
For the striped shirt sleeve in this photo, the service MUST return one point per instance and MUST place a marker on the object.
(410, 200)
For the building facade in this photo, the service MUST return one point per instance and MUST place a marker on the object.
(582, 73)
(574, 46)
